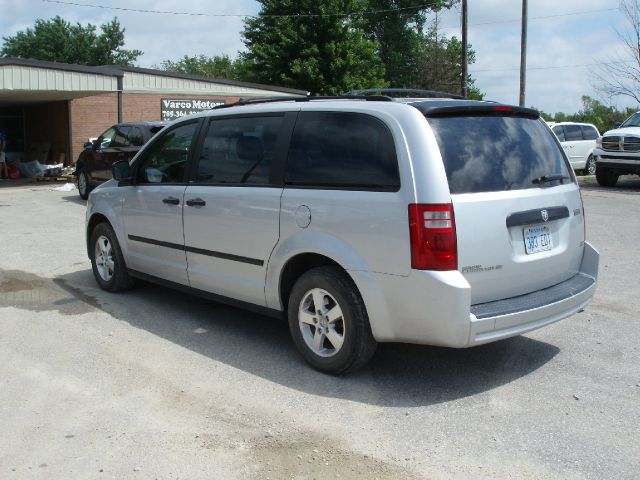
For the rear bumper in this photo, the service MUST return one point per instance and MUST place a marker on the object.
(433, 308)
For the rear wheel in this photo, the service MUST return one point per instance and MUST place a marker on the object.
(107, 262)
(83, 185)
(328, 321)
(606, 177)
(590, 167)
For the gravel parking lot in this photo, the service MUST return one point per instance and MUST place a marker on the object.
(158, 384)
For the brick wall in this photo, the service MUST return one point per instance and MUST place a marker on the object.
(90, 116)
(47, 122)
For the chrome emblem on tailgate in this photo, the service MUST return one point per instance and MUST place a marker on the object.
(545, 215)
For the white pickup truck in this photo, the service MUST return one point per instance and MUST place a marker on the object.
(618, 152)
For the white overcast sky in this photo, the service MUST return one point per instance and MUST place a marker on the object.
(566, 38)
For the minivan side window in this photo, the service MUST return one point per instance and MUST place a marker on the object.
(239, 150)
(572, 133)
(165, 160)
(345, 150)
(589, 133)
(559, 131)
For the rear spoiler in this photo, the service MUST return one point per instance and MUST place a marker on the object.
(461, 110)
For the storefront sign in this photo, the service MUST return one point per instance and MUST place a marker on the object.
(176, 108)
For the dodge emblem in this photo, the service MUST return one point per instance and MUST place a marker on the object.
(545, 215)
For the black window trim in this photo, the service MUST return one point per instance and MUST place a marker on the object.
(136, 164)
(288, 184)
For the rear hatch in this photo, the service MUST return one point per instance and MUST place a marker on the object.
(517, 206)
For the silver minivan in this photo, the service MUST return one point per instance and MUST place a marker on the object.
(361, 219)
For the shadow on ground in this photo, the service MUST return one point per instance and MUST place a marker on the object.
(626, 184)
(399, 375)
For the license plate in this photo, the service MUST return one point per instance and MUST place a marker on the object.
(537, 239)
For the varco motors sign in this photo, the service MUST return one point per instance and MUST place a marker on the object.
(171, 109)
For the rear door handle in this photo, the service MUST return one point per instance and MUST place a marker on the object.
(171, 201)
(196, 202)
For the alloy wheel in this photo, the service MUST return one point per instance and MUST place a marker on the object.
(321, 322)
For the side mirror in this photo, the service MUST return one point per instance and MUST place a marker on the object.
(121, 172)
(617, 124)
(88, 146)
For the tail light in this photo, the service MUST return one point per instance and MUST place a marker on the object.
(432, 230)
(584, 217)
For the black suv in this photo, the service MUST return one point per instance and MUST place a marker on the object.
(119, 142)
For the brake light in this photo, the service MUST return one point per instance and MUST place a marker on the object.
(503, 108)
(432, 230)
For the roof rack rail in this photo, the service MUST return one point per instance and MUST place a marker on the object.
(386, 91)
(256, 100)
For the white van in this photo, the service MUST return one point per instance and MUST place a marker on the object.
(578, 141)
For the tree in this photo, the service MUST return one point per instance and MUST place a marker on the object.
(327, 53)
(621, 76)
(439, 65)
(398, 28)
(219, 66)
(593, 111)
(57, 40)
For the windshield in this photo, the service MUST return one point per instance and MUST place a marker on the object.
(632, 121)
(489, 153)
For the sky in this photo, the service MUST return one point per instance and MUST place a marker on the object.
(568, 40)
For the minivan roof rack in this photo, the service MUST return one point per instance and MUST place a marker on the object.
(385, 91)
(255, 100)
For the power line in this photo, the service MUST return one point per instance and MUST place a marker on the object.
(240, 15)
(303, 15)
(585, 12)
(550, 68)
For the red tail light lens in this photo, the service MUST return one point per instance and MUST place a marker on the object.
(432, 230)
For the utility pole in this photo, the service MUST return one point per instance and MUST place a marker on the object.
(465, 53)
(523, 54)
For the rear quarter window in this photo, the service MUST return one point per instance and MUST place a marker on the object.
(489, 153)
(589, 133)
(345, 150)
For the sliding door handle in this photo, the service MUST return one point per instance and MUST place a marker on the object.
(196, 202)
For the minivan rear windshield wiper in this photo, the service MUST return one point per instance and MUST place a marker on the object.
(549, 178)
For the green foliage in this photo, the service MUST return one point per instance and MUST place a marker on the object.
(593, 111)
(439, 65)
(219, 66)
(400, 35)
(57, 40)
(326, 55)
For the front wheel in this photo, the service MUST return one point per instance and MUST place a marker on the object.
(590, 167)
(107, 262)
(328, 321)
(606, 177)
(83, 185)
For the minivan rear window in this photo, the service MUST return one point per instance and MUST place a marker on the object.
(489, 153)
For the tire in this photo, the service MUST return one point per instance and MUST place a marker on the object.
(84, 188)
(590, 166)
(335, 345)
(107, 262)
(606, 177)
